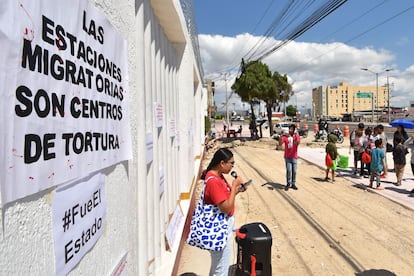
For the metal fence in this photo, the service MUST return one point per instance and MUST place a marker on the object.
(188, 11)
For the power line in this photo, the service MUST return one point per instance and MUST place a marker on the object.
(311, 21)
(357, 36)
(269, 31)
(288, 15)
(233, 64)
(356, 18)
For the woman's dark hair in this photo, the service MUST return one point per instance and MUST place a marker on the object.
(368, 131)
(378, 142)
(402, 128)
(222, 154)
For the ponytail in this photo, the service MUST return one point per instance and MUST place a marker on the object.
(203, 174)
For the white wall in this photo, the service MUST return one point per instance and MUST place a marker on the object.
(162, 68)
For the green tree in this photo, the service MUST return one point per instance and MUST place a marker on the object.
(291, 110)
(257, 83)
(254, 82)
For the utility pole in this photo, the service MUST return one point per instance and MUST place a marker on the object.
(227, 104)
(377, 98)
(388, 97)
(353, 107)
(283, 92)
(376, 102)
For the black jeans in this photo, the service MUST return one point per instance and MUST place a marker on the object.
(367, 167)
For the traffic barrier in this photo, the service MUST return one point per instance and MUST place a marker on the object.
(346, 131)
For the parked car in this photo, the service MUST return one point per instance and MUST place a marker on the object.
(237, 118)
(280, 128)
(260, 121)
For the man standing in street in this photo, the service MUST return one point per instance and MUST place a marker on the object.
(291, 141)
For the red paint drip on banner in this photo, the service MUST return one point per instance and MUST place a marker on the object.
(28, 31)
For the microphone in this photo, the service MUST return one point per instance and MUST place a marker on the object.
(243, 186)
(234, 174)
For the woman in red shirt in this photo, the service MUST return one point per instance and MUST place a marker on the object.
(220, 193)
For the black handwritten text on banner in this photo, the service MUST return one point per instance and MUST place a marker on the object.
(65, 90)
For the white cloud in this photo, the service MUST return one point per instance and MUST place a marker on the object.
(308, 65)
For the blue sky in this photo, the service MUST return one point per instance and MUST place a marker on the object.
(374, 34)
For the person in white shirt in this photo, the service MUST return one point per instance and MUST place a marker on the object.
(356, 145)
(384, 138)
(409, 143)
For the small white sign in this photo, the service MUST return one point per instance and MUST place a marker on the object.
(158, 114)
(173, 226)
(79, 211)
(171, 127)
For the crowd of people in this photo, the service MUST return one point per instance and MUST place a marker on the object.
(369, 147)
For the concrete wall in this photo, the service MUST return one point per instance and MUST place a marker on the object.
(162, 68)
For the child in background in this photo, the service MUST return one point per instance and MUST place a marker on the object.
(367, 145)
(333, 152)
(398, 155)
(377, 164)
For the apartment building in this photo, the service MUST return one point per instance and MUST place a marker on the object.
(334, 101)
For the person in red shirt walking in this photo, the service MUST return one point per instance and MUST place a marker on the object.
(291, 141)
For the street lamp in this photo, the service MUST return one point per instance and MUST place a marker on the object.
(227, 103)
(388, 98)
(376, 103)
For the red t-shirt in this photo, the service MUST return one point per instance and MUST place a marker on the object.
(217, 190)
(291, 149)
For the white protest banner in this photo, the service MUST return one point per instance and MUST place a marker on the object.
(79, 211)
(63, 85)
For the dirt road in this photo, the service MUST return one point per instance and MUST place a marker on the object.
(323, 228)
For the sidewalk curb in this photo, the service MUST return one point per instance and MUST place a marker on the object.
(401, 199)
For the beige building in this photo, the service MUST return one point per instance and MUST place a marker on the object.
(334, 101)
